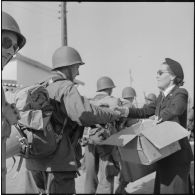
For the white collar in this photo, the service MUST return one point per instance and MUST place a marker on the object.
(168, 90)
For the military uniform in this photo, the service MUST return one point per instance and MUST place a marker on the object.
(9, 117)
(56, 174)
(172, 171)
(102, 160)
(5, 132)
(9, 113)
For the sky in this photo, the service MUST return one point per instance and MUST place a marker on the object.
(113, 38)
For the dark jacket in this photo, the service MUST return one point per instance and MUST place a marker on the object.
(172, 108)
(69, 103)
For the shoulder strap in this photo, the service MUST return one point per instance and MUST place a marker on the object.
(51, 80)
(59, 136)
(46, 84)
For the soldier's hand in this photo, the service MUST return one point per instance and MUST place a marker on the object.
(124, 111)
(158, 120)
(84, 141)
(98, 137)
(153, 117)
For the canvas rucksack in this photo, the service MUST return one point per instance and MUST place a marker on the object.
(34, 133)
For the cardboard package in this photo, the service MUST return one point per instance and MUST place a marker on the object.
(132, 172)
(145, 142)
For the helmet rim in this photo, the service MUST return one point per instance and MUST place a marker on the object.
(9, 24)
(66, 56)
(104, 83)
(65, 65)
(21, 38)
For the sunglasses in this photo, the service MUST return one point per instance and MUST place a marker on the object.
(160, 72)
(7, 43)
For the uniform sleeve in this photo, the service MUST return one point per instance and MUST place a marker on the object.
(144, 112)
(80, 110)
(177, 107)
(5, 126)
(9, 111)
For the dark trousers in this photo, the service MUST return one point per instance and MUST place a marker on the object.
(55, 182)
(124, 177)
(178, 185)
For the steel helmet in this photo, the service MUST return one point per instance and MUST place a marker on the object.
(128, 92)
(9, 24)
(151, 97)
(66, 56)
(104, 83)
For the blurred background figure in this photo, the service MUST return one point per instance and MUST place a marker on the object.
(128, 100)
(190, 123)
(150, 98)
(129, 94)
(100, 159)
(190, 127)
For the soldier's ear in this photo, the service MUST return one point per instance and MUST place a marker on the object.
(173, 77)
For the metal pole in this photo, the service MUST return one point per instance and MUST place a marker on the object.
(64, 23)
(130, 78)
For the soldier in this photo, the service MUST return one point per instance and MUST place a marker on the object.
(101, 159)
(172, 171)
(11, 42)
(150, 98)
(129, 94)
(56, 174)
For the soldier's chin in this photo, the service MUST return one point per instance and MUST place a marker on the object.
(4, 61)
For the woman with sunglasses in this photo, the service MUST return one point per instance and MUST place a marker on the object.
(11, 41)
(172, 172)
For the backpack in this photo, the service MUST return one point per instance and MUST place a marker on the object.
(37, 137)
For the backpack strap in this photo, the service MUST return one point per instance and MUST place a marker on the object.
(24, 146)
(19, 166)
(23, 139)
(59, 136)
(51, 80)
(14, 159)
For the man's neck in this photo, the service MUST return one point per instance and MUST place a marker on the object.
(61, 74)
